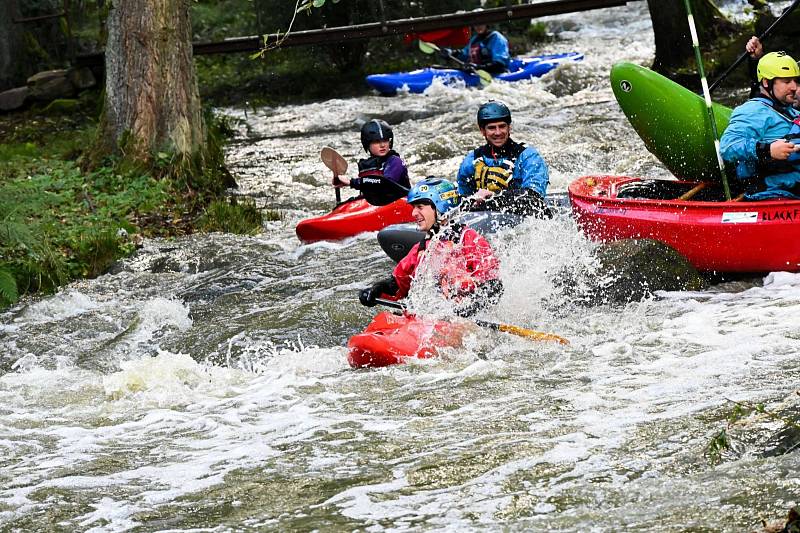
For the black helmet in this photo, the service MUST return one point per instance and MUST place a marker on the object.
(493, 111)
(376, 130)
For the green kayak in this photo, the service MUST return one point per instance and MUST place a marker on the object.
(671, 120)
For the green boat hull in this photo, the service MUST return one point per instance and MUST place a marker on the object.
(671, 120)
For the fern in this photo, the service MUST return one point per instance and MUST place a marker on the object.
(14, 234)
(8, 288)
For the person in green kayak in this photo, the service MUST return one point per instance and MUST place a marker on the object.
(486, 50)
(755, 140)
(467, 271)
(382, 177)
(503, 175)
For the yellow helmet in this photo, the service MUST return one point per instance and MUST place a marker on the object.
(777, 65)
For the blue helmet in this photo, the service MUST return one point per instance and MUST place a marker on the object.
(438, 192)
(493, 111)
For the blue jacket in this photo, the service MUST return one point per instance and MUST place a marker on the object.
(753, 126)
(529, 171)
(493, 48)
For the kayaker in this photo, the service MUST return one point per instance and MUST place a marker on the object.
(486, 50)
(755, 48)
(467, 269)
(755, 139)
(503, 175)
(382, 177)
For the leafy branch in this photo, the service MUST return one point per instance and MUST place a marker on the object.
(721, 441)
(299, 6)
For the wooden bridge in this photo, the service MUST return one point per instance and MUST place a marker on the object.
(388, 28)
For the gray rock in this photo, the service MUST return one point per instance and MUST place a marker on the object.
(46, 76)
(630, 270)
(14, 98)
(52, 88)
(81, 78)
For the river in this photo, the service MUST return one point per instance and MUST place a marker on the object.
(203, 384)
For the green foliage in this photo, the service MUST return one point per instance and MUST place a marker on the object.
(272, 215)
(719, 444)
(58, 222)
(537, 32)
(8, 288)
(741, 416)
(240, 217)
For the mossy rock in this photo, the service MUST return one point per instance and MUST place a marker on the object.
(630, 270)
(62, 105)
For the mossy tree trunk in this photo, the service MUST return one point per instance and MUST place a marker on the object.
(671, 30)
(152, 103)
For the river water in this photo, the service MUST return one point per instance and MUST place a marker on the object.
(203, 384)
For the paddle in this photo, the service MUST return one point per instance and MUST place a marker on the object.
(505, 328)
(761, 37)
(707, 95)
(430, 48)
(337, 164)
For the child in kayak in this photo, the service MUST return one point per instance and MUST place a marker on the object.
(382, 177)
(468, 271)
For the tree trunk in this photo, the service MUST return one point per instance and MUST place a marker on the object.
(10, 44)
(152, 102)
(671, 31)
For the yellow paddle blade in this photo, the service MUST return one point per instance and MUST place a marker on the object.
(531, 334)
(485, 77)
(427, 48)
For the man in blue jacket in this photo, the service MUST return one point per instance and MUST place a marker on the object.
(756, 137)
(486, 50)
(503, 175)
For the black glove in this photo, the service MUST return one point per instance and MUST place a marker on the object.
(367, 297)
(387, 286)
(445, 53)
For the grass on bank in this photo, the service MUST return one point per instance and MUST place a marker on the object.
(59, 223)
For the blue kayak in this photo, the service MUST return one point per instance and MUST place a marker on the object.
(521, 68)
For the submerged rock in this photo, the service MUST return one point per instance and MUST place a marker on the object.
(630, 270)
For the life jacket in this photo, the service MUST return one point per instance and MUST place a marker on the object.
(497, 175)
(480, 54)
(463, 253)
(376, 189)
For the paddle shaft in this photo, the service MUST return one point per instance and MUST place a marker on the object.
(761, 37)
(337, 190)
(427, 47)
(505, 328)
(707, 95)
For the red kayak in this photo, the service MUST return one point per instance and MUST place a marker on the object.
(451, 37)
(713, 234)
(351, 218)
(391, 339)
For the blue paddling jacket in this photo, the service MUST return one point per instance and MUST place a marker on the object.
(754, 125)
(516, 173)
(488, 52)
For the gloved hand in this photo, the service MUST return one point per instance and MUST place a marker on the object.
(471, 66)
(445, 53)
(367, 297)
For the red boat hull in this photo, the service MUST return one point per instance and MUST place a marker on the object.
(391, 339)
(351, 218)
(722, 236)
